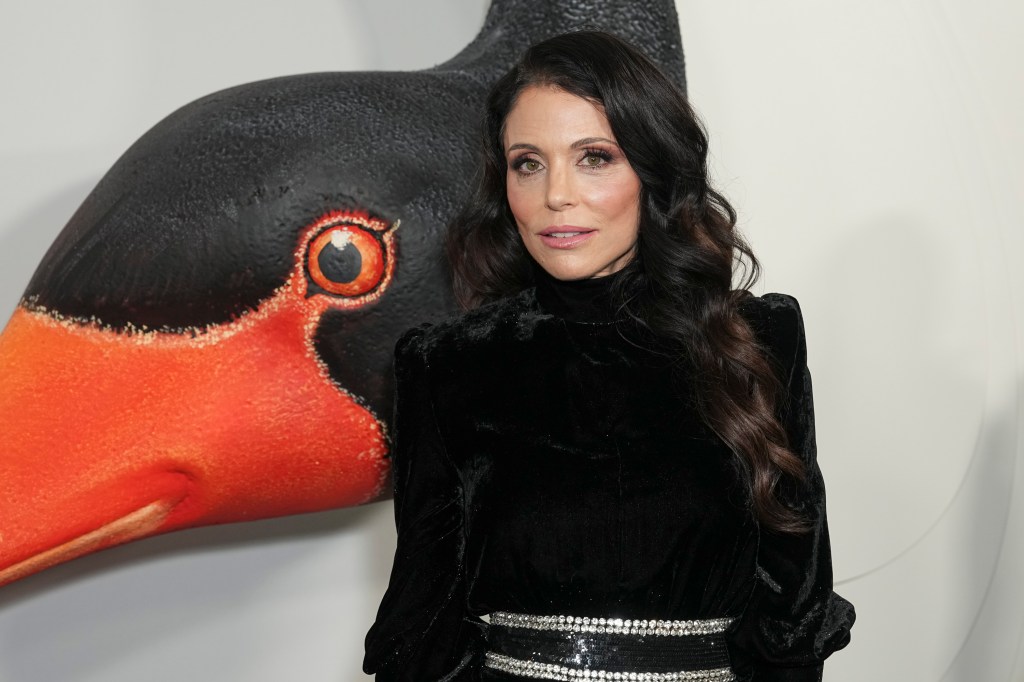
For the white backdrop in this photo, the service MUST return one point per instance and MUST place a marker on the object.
(874, 152)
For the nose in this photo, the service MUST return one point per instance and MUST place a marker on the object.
(561, 188)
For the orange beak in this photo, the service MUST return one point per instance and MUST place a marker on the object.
(107, 436)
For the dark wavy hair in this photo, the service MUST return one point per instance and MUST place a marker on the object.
(679, 285)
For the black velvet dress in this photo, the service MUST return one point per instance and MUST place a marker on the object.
(543, 464)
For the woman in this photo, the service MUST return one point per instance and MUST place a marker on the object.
(611, 455)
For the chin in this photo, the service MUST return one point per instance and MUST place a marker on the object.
(568, 271)
(576, 268)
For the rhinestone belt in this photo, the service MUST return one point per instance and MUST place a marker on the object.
(581, 648)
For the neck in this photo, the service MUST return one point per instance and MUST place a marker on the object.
(513, 25)
(580, 300)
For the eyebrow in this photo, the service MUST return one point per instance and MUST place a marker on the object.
(591, 140)
(523, 145)
(575, 145)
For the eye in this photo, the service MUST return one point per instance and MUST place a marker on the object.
(525, 165)
(595, 158)
(349, 259)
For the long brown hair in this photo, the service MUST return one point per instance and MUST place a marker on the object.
(679, 286)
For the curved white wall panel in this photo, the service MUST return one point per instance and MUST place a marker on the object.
(874, 150)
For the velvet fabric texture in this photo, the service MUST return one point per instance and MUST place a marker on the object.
(545, 464)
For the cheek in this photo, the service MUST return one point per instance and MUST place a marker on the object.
(518, 199)
(618, 198)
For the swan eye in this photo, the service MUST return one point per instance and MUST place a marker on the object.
(350, 257)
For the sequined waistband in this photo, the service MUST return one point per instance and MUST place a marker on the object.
(582, 648)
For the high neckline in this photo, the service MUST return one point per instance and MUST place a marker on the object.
(579, 300)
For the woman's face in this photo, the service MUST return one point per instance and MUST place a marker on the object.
(575, 198)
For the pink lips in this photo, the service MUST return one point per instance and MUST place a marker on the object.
(565, 236)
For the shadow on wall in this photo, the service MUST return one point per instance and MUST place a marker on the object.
(992, 553)
(378, 18)
(28, 237)
(122, 594)
(903, 336)
(206, 540)
(919, 415)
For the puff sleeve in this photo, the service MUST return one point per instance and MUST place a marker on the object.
(794, 619)
(422, 631)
